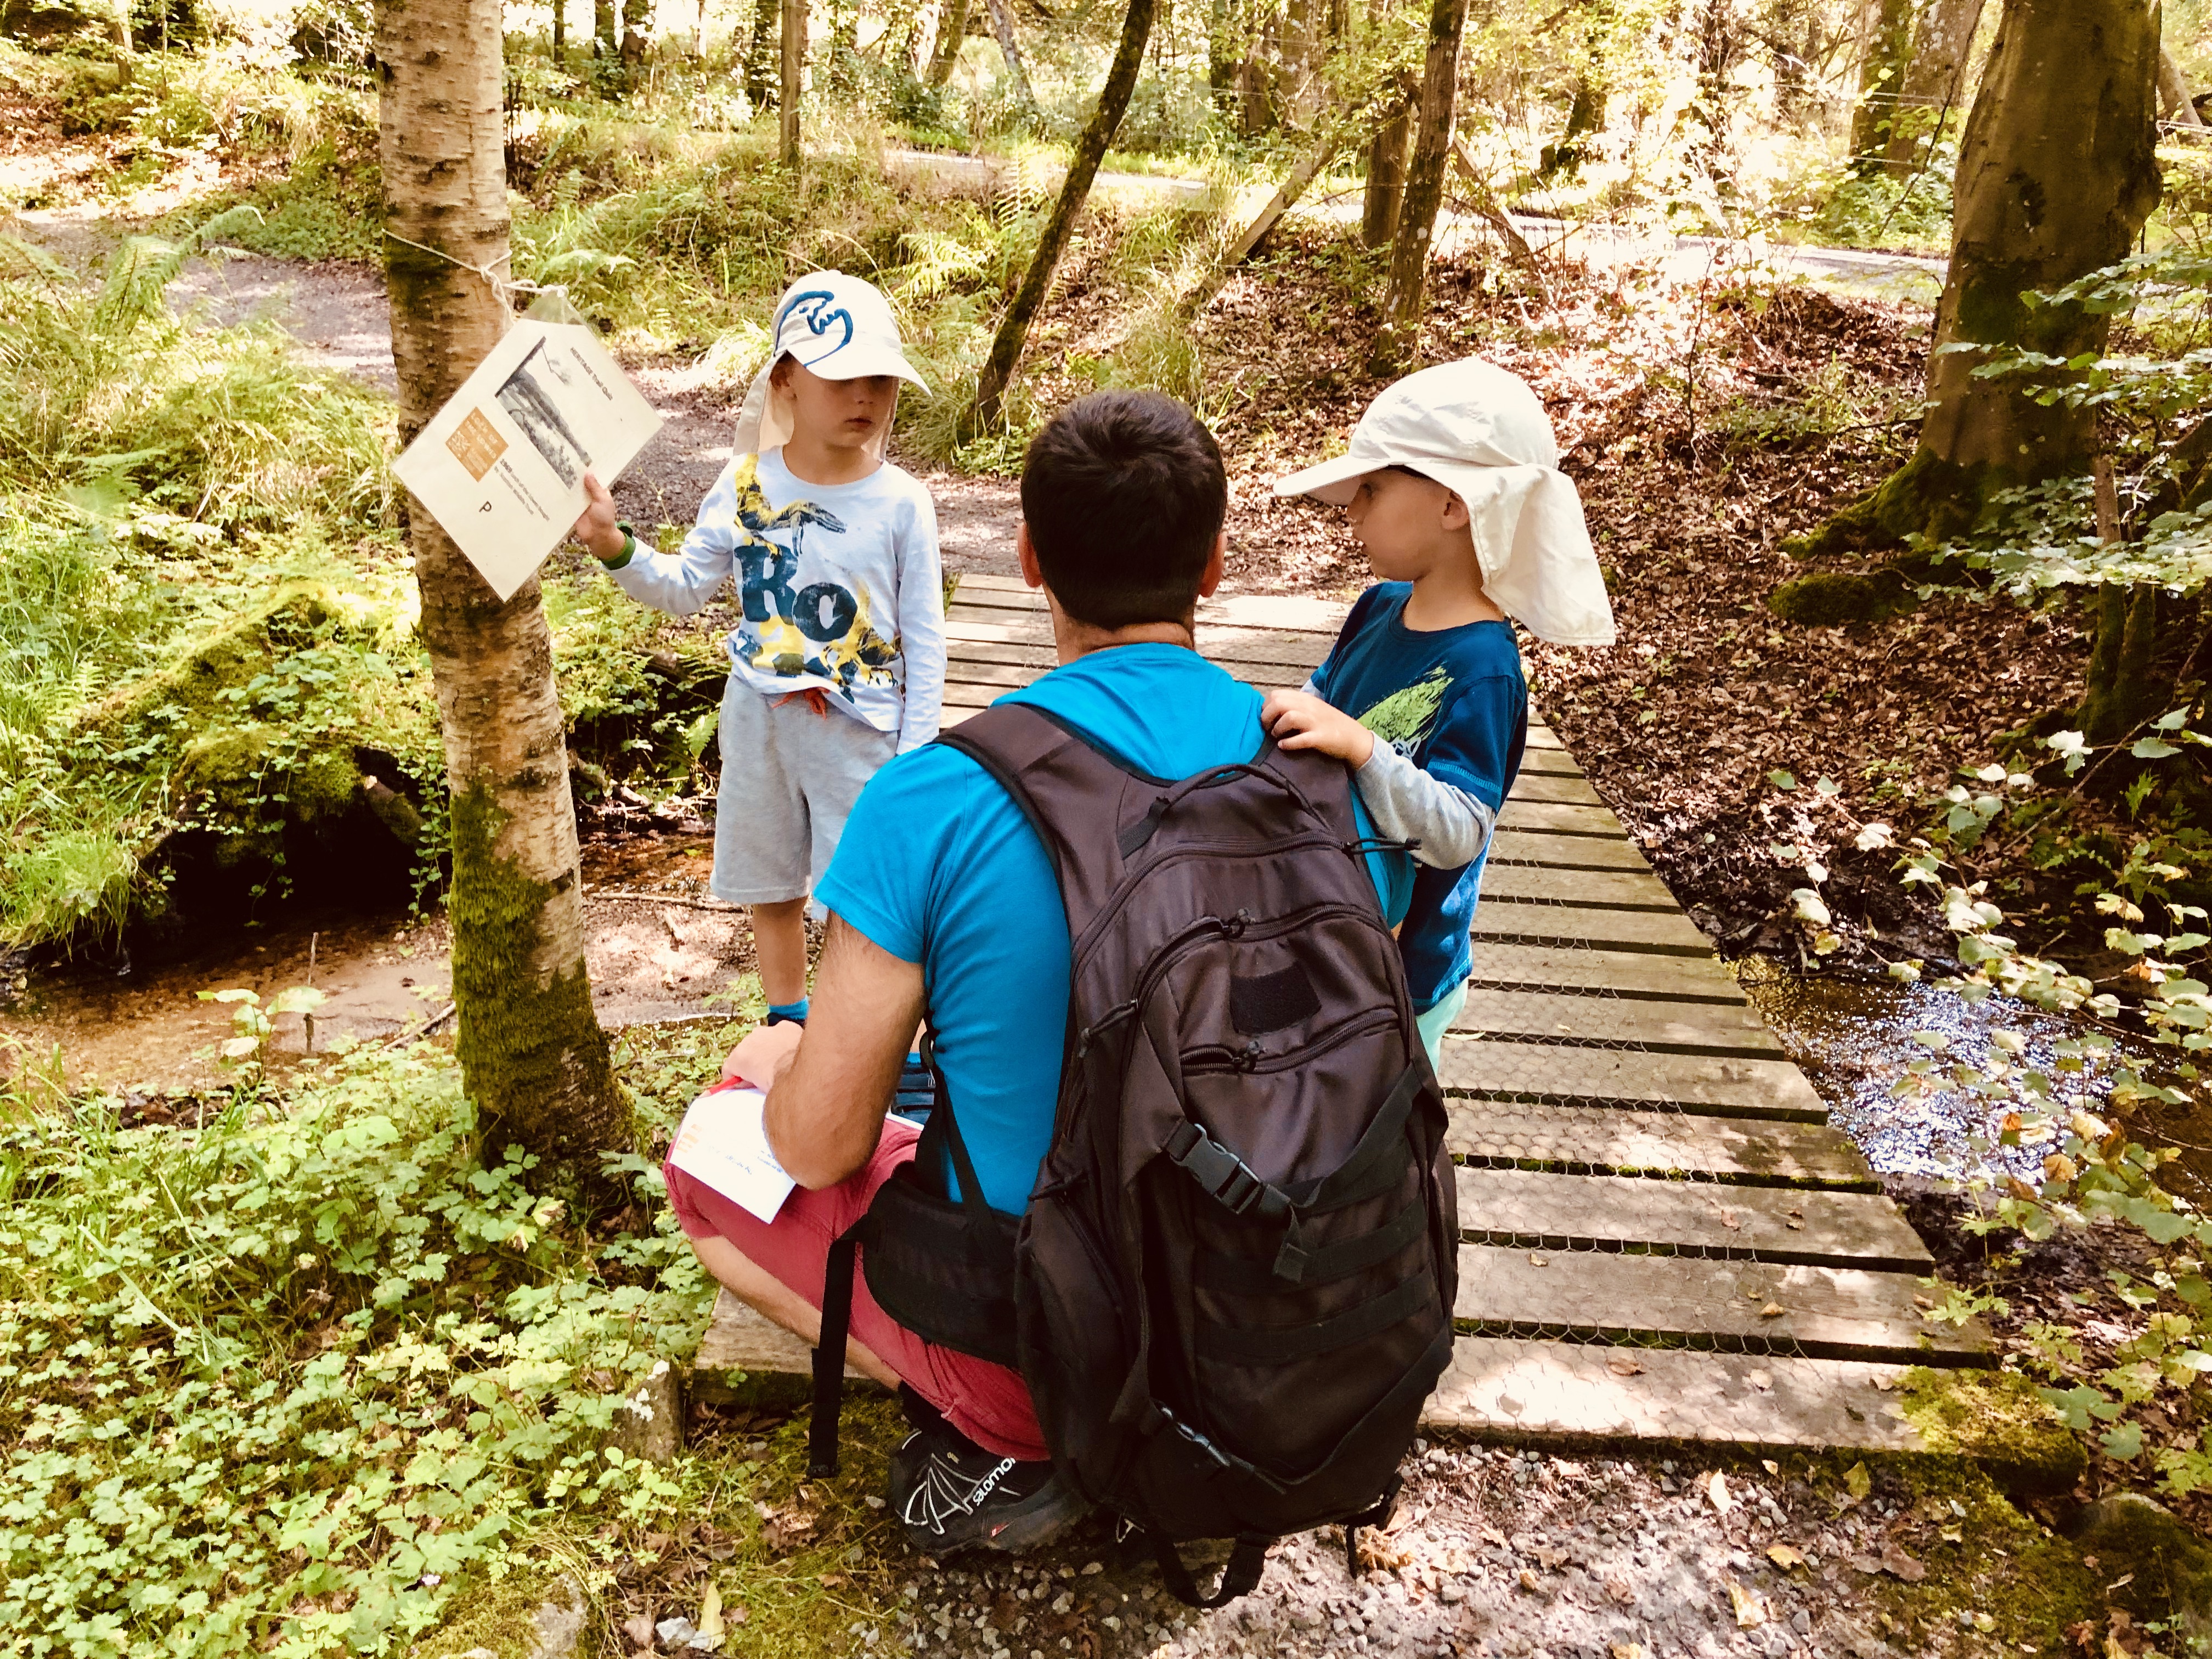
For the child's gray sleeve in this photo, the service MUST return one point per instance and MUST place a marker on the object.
(1410, 805)
(921, 627)
(681, 583)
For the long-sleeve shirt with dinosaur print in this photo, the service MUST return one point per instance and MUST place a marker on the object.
(838, 588)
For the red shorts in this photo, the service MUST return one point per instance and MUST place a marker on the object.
(987, 1403)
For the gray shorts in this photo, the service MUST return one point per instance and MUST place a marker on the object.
(789, 779)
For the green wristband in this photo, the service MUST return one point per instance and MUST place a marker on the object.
(629, 548)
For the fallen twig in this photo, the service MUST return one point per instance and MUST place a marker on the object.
(423, 1030)
(715, 905)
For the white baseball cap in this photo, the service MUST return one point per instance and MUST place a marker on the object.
(838, 327)
(1480, 431)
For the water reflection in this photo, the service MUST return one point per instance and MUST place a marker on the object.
(1855, 1040)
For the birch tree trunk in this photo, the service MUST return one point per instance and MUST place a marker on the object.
(1398, 340)
(532, 1052)
(1002, 26)
(951, 33)
(1083, 166)
(2056, 176)
(2173, 99)
(1933, 79)
(637, 31)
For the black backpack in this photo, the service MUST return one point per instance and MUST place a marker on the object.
(1232, 1288)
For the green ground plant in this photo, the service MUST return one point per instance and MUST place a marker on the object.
(312, 1369)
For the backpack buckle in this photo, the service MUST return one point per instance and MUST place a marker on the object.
(1222, 1175)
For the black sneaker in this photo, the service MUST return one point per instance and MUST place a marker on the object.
(951, 1495)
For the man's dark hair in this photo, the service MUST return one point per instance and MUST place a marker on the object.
(1124, 494)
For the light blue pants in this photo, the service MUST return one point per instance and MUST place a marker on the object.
(1434, 1024)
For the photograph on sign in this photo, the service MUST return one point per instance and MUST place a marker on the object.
(501, 466)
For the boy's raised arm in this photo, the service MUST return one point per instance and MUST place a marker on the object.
(922, 628)
(681, 583)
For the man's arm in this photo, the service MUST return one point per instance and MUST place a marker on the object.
(829, 1083)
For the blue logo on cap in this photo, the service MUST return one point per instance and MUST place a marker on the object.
(818, 310)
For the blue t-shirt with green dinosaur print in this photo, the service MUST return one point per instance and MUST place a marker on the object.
(1452, 702)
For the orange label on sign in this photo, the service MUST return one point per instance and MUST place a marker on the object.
(476, 444)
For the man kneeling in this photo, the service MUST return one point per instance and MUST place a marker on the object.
(943, 900)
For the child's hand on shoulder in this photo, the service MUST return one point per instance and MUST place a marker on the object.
(1299, 720)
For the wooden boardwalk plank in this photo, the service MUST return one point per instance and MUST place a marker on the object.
(1289, 612)
(1625, 973)
(1610, 1141)
(1538, 1210)
(1555, 762)
(1560, 817)
(739, 1340)
(1578, 1394)
(1501, 916)
(1541, 736)
(1572, 791)
(1633, 889)
(1708, 1085)
(1704, 1027)
(966, 625)
(1825, 1313)
(1565, 851)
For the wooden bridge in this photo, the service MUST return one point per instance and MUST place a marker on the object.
(1663, 1238)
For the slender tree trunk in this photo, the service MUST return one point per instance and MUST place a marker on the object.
(2056, 176)
(1881, 79)
(1398, 341)
(2173, 99)
(559, 30)
(1083, 166)
(1933, 79)
(603, 29)
(532, 1052)
(765, 41)
(1221, 55)
(1385, 193)
(794, 70)
(1002, 26)
(952, 34)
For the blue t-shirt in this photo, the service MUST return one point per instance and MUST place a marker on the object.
(937, 866)
(1451, 700)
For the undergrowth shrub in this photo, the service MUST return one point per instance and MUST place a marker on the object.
(270, 1379)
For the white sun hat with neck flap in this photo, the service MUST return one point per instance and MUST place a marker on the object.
(839, 326)
(1478, 430)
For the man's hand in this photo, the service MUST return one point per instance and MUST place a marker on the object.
(601, 537)
(765, 1055)
(1298, 719)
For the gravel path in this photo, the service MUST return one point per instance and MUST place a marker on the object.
(1499, 1553)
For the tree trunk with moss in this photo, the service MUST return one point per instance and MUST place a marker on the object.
(1882, 79)
(1928, 102)
(1398, 340)
(1010, 47)
(532, 1056)
(989, 407)
(2056, 176)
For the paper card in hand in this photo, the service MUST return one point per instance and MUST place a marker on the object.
(501, 466)
(723, 1141)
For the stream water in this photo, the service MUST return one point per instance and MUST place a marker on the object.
(1855, 1040)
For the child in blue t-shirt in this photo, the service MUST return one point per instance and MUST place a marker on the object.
(1452, 484)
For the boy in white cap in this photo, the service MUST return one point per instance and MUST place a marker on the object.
(837, 659)
(1452, 484)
